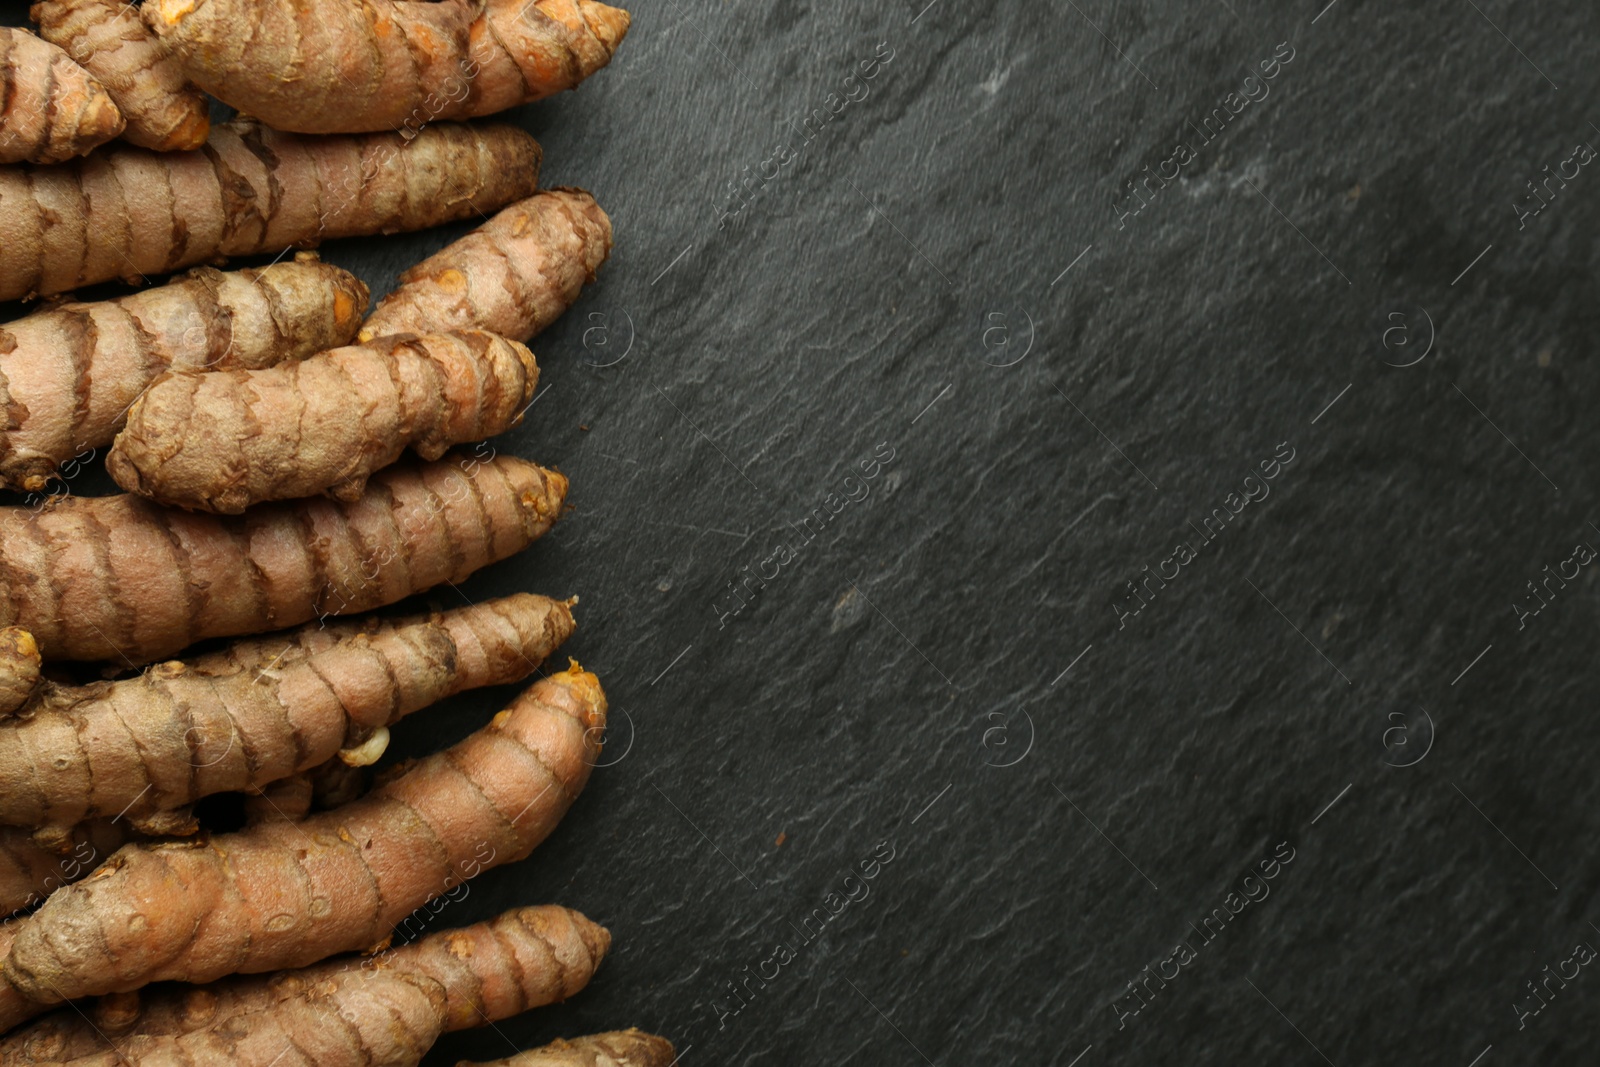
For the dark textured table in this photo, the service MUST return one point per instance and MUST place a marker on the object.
(1086, 516)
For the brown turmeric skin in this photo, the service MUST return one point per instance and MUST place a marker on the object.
(19, 669)
(224, 441)
(35, 863)
(118, 578)
(354, 1019)
(623, 1048)
(107, 38)
(282, 895)
(514, 275)
(383, 64)
(491, 971)
(69, 374)
(148, 748)
(130, 213)
(51, 109)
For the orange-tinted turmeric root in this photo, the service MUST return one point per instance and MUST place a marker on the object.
(31, 869)
(385, 64)
(623, 1048)
(514, 275)
(130, 213)
(283, 895)
(491, 971)
(223, 441)
(107, 38)
(150, 746)
(354, 1019)
(68, 374)
(51, 109)
(118, 578)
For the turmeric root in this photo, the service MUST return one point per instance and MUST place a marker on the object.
(107, 38)
(19, 669)
(129, 213)
(491, 971)
(523, 959)
(149, 747)
(385, 64)
(68, 375)
(622, 1048)
(224, 441)
(353, 1020)
(514, 275)
(120, 578)
(51, 109)
(31, 870)
(282, 895)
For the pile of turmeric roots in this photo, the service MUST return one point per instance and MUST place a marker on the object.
(260, 421)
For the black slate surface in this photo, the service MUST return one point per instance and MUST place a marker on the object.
(951, 673)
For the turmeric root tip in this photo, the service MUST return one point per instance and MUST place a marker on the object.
(514, 275)
(53, 108)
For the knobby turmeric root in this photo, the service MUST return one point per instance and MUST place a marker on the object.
(224, 441)
(491, 971)
(68, 375)
(515, 275)
(120, 578)
(130, 213)
(148, 748)
(107, 38)
(286, 895)
(19, 669)
(622, 1048)
(523, 959)
(51, 109)
(384, 64)
(352, 1020)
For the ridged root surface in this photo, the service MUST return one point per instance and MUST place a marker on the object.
(51, 109)
(149, 747)
(490, 971)
(385, 64)
(108, 39)
(222, 441)
(120, 578)
(69, 374)
(130, 213)
(514, 275)
(284, 895)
